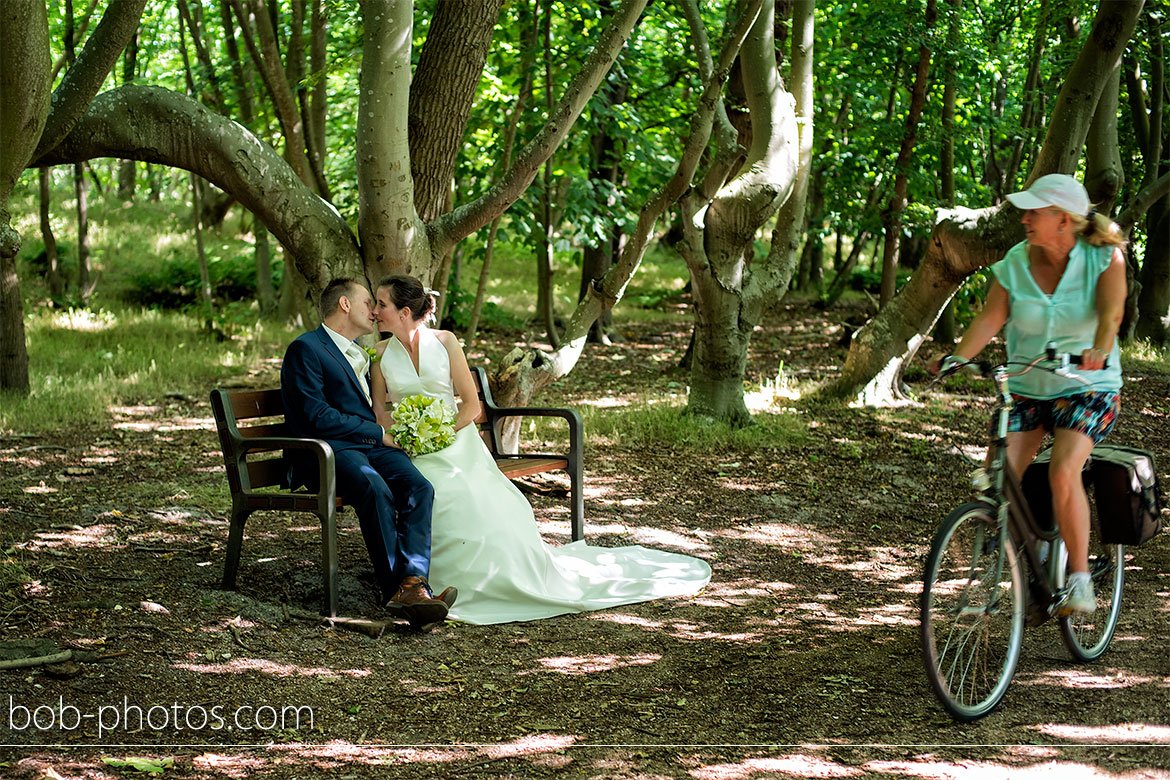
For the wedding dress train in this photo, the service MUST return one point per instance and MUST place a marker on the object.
(484, 539)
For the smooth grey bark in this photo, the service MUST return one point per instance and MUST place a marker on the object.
(965, 240)
(393, 236)
(791, 221)
(156, 125)
(25, 95)
(86, 75)
(728, 288)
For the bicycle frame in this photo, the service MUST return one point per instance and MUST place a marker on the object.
(1013, 514)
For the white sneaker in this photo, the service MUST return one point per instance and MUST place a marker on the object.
(1079, 596)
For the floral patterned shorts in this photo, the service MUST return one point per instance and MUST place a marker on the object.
(1092, 414)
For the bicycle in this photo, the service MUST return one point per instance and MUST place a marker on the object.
(993, 567)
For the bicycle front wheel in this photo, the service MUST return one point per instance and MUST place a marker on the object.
(972, 612)
(1088, 636)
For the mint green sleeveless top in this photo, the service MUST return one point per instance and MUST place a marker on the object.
(1065, 320)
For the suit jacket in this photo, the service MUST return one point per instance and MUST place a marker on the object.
(323, 400)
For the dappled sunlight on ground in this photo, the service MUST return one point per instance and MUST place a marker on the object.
(1081, 678)
(339, 753)
(97, 535)
(1136, 733)
(264, 666)
(795, 765)
(968, 769)
(778, 534)
(577, 665)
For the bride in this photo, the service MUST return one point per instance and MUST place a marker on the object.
(484, 539)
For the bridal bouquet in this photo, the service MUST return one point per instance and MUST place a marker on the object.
(422, 425)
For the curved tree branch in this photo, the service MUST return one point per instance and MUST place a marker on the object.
(160, 126)
(465, 220)
(83, 80)
(1141, 203)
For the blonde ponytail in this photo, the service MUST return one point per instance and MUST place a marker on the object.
(1097, 229)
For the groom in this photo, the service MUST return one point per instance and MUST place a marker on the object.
(324, 383)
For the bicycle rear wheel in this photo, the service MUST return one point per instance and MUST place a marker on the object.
(1088, 636)
(972, 612)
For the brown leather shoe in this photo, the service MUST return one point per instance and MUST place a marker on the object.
(423, 611)
(448, 596)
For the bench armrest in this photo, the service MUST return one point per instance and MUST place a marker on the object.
(326, 474)
(576, 427)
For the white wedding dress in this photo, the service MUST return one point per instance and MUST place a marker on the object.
(484, 539)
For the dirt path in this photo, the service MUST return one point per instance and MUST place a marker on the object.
(799, 660)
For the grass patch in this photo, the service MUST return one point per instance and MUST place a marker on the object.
(83, 363)
(1146, 357)
(660, 424)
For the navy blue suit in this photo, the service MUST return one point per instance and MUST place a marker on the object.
(323, 400)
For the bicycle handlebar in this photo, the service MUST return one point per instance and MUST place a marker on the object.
(951, 364)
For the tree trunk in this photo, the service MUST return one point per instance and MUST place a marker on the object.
(892, 216)
(944, 330)
(24, 94)
(1103, 173)
(528, 46)
(450, 66)
(394, 239)
(200, 254)
(1148, 111)
(85, 280)
(126, 168)
(791, 223)
(265, 293)
(158, 125)
(597, 257)
(54, 279)
(729, 291)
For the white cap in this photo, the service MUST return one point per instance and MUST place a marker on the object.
(1055, 189)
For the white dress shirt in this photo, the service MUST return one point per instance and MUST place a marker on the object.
(357, 358)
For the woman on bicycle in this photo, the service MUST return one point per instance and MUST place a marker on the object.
(1063, 287)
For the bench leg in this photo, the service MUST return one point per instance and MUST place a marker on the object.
(577, 504)
(231, 563)
(329, 561)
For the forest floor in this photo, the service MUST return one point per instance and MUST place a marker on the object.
(800, 659)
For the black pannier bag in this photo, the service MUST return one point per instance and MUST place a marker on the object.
(1125, 489)
(1125, 484)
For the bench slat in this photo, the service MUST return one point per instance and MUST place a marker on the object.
(250, 404)
(279, 429)
(266, 472)
(522, 467)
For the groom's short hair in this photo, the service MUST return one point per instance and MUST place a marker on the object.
(331, 295)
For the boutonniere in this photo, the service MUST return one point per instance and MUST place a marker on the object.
(373, 353)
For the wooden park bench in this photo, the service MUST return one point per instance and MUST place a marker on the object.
(256, 467)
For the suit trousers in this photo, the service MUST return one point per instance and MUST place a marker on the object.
(393, 504)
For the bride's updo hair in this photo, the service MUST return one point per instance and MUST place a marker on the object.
(406, 292)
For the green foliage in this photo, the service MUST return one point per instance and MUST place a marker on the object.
(457, 315)
(176, 282)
